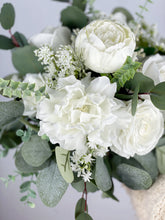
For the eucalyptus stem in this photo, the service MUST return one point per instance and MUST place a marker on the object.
(85, 193)
(25, 122)
(14, 39)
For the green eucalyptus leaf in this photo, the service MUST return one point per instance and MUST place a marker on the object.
(31, 204)
(134, 101)
(21, 39)
(26, 185)
(9, 139)
(25, 61)
(160, 154)
(81, 4)
(23, 198)
(7, 16)
(79, 186)
(161, 141)
(24, 167)
(133, 177)
(125, 12)
(51, 185)
(73, 17)
(80, 207)
(84, 216)
(63, 162)
(149, 164)
(36, 151)
(6, 43)
(144, 83)
(10, 111)
(157, 96)
(102, 177)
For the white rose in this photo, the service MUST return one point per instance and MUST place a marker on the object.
(104, 45)
(77, 112)
(30, 103)
(154, 67)
(139, 134)
(53, 37)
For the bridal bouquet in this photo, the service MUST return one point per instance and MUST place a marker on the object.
(87, 104)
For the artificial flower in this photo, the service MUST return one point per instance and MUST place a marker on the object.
(104, 45)
(78, 112)
(154, 67)
(140, 133)
(53, 37)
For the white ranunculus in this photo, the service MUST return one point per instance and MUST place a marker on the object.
(77, 113)
(30, 103)
(137, 134)
(104, 45)
(154, 67)
(53, 37)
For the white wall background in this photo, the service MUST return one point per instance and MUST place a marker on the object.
(31, 17)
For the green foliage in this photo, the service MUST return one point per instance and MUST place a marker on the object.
(36, 151)
(26, 187)
(6, 181)
(102, 177)
(10, 140)
(25, 135)
(143, 8)
(80, 207)
(10, 88)
(63, 162)
(79, 186)
(81, 4)
(149, 163)
(126, 72)
(139, 84)
(110, 194)
(160, 154)
(25, 61)
(157, 96)
(51, 185)
(73, 17)
(84, 216)
(133, 177)
(7, 16)
(10, 111)
(24, 167)
(125, 12)
(6, 43)
(21, 39)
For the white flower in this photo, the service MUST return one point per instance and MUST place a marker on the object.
(119, 17)
(53, 37)
(104, 45)
(75, 112)
(137, 134)
(154, 67)
(30, 103)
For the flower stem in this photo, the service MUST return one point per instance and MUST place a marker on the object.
(85, 193)
(25, 122)
(14, 39)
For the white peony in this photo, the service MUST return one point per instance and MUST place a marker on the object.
(30, 102)
(77, 114)
(137, 134)
(154, 67)
(104, 45)
(53, 37)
